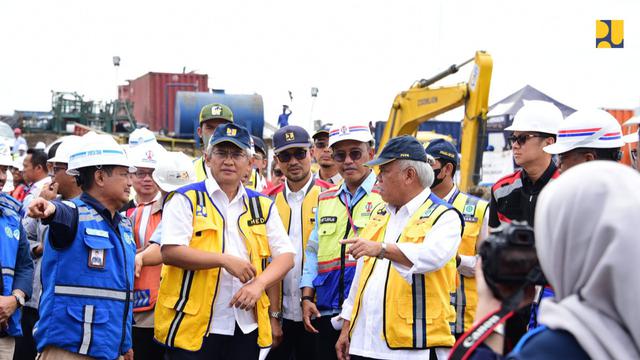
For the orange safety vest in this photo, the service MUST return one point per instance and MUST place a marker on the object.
(145, 219)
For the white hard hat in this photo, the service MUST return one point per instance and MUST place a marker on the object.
(633, 121)
(67, 144)
(356, 132)
(96, 150)
(592, 128)
(141, 136)
(22, 147)
(174, 171)
(40, 146)
(5, 154)
(146, 155)
(634, 137)
(538, 116)
(18, 164)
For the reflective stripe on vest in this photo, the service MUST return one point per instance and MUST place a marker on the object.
(465, 300)
(90, 292)
(145, 222)
(417, 315)
(86, 330)
(184, 311)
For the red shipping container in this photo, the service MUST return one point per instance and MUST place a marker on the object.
(623, 115)
(154, 94)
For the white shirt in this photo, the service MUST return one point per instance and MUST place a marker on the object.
(34, 190)
(291, 285)
(178, 228)
(467, 265)
(444, 238)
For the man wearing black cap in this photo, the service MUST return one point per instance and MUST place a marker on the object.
(444, 160)
(255, 178)
(399, 302)
(296, 200)
(217, 240)
(328, 168)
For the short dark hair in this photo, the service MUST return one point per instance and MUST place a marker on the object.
(85, 177)
(38, 158)
(612, 154)
(52, 150)
(546, 135)
(444, 162)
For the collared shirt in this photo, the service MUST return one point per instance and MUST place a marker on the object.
(34, 191)
(63, 225)
(310, 268)
(291, 284)
(23, 272)
(468, 263)
(444, 238)
(335, 179)
(178, 230)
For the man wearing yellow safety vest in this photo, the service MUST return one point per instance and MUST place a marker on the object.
(217, 238)
(255, 179)
(444, 158)
(342, 213)
(211, 116)
(327, 167)
(297, 201)
(399, 306)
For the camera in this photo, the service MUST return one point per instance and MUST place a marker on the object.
(509, 260)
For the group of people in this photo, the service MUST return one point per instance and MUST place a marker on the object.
(137, 252)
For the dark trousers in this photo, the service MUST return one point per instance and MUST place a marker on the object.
(297, 343)
(327, 338)
(25, 345)
(144, 347)
(221, 347)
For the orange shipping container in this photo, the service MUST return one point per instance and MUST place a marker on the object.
(623, 115)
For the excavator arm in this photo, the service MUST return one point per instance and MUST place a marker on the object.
(421, 102)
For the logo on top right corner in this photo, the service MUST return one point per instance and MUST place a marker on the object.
(610, 34)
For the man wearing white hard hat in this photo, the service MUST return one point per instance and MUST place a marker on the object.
(514, 196)
(17, 267)
(88, 266)
(144, 157)
(142, 136)
(587, 135)
(19, 186)
(342, 212)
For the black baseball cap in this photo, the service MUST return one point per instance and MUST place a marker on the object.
(258, 144)
(400, 148)
(443, 150)
(290, 136)
(232, 133)
(324, 130)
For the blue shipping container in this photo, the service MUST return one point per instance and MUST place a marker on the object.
(248, 111)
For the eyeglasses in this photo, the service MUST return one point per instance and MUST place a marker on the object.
(235, 155)
(142, 174)
(285, 156)
(55, 169)
(321, 144)
(522, 139)
(258, 156)
(277, 173)
(341, 156)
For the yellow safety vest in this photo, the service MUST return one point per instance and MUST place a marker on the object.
(335, 268)
(418, 315)
(198, 165)
(473, 210)
(184, 309)
(253, 180)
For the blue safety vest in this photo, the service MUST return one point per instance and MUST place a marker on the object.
(86, 304)
(10, 227)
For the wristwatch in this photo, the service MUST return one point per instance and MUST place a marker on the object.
(383, 250)
(302, 299)
(276, 314)
(19, 299)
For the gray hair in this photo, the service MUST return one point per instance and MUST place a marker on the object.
(423, 170)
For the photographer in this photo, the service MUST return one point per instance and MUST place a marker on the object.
(588, 254)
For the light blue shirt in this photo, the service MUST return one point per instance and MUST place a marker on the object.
(310, 268)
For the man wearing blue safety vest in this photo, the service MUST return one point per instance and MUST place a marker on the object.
(17, 267)
(342, 212)
(88, 262)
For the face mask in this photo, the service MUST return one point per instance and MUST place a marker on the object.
(436, 181)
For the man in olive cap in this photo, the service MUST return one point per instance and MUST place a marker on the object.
(210, 117)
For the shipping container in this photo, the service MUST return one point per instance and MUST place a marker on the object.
(153, 96)
(248, 111)
(623, 115)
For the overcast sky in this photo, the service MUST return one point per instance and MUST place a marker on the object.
(358, 53)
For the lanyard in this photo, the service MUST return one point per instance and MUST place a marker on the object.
(353, 226)
(467, 344)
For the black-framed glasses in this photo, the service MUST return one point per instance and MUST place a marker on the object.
(341, 156)
(321, 144)
(277, 173)
(140, 174)
(285, 156)
(55, 169)
(235, 155)
(522, 139)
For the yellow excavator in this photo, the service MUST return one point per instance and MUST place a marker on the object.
(422, 102)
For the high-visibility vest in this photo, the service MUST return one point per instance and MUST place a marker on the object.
(335, 268)
(10, 230)
(184, 311)
(199, 167)
(145, 288)
(309, 208)
(253, 180)
(417, 315)
(473, 211)
(86, 306)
